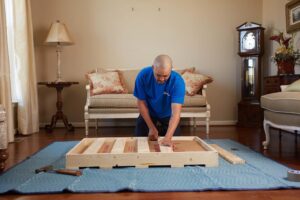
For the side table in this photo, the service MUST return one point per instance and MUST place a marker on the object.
(59, 86)
(272, 83)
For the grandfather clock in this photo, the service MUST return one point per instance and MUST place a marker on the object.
(251, 37)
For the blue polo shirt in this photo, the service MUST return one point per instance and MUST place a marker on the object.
(159, 97)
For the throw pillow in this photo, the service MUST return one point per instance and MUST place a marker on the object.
(194, 82)
(294, 87)
(106, 82)
(181, 71)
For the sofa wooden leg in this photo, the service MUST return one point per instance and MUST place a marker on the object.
(207, 128)
(3, 158)
(296, 138)
(96, 125)
(86, 127)
(194, 122)
(280, 135)
(266, 129)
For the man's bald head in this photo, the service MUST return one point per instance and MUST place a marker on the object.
(162, 67)
(163, 61)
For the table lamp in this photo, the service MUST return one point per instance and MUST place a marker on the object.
(58, 35)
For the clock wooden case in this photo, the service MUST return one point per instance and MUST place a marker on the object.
(251, 50)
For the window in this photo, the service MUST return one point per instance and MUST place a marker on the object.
(15, 89)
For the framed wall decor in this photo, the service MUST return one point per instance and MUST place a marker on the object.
(292, 13)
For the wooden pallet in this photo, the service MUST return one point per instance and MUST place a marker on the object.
(140, 153)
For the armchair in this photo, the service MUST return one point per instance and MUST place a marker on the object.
(282, 111)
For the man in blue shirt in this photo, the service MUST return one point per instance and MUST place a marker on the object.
(160, 95)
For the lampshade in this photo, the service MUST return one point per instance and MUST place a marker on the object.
(58, 33)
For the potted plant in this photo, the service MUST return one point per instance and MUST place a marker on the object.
(285, 55)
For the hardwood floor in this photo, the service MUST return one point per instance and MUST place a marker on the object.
(285, 150)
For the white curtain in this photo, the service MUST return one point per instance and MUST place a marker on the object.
(5, 84)
(28, 119)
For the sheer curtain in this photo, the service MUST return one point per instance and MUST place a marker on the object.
(21, 55)
(5, 83)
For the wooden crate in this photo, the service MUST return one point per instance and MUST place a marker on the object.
(140, 153)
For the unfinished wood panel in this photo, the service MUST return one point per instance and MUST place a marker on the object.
(206, 146)
(185, 138)
(119, 145)
(94, 147)
(154, 146)
(165, 149)
(130, 146)
(142, 145)
(107, 146)
(182, 146)
(230, 157)
(82, 146)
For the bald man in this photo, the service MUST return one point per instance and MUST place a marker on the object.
(160, 95)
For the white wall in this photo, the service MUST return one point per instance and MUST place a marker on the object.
(107, 33)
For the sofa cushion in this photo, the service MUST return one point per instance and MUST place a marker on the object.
(182, 70)
(194, 82)
(106, 82)
(113, 110)
(129, 77)
(135, 110)
(283, 119)
(2, 113)
(129, 101)
(113, 101)
(294, 87)
(3, 129)
(196, 100)
(283, 102)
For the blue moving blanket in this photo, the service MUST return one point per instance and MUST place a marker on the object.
(258, 173)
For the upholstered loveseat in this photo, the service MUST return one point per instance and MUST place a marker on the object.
(282, 110)
(109, 106)
(3, 138)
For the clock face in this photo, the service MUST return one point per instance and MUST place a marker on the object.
(248, 41)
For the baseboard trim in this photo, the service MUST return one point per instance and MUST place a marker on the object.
(132, 123)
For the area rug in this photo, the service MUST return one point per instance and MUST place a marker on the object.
(258, 173)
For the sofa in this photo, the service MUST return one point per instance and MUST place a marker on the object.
(281, 111)
(3, 138)
(124, 105)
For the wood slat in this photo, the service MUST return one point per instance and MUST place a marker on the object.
(81, 147)
(165, 149)
(94, 146)
(153, 146)
(130, 146)
(142, 145)
(187, 145)
(185, 138)
(107, 146)
(230, 157)
(119, 145)
(206, 146)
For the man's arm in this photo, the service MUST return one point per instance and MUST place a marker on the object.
(174, 121)
(153, 133)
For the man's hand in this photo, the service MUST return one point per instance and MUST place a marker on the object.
(153, 134)
(167, 142)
